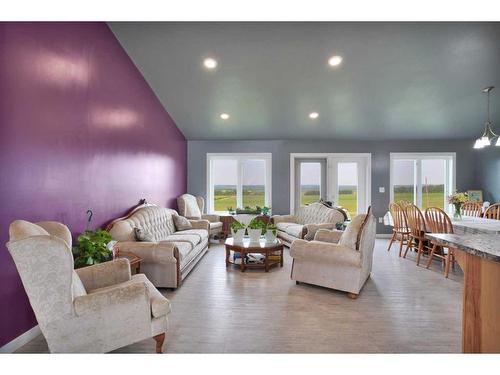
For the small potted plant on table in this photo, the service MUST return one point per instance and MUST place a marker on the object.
(238, 231)
(256, 228)
(271, 232)
(92, 248)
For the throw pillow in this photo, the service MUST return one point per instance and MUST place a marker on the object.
(142, 235)
(181, 223)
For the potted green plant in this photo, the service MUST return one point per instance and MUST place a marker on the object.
(248, 210)
(265, 210)
(271, 232)
(92, 248)
(238, 231)
(255, 229)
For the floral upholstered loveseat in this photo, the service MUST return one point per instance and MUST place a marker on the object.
(307, 220)
(170, 254)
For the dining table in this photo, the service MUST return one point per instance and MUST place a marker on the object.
(465, 224)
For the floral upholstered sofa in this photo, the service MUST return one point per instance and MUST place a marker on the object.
(307, 220)
(169, 254)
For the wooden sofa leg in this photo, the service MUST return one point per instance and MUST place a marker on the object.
(159, 342)
(297, 282)
(352, 295)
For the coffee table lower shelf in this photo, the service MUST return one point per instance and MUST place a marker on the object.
(261, 247)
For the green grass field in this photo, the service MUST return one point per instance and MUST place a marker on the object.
(226, 197)
(349, 200)
(434, 199)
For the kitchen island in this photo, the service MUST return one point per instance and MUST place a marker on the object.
(479, 257)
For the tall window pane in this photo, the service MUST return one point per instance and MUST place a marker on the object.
(348, 186)
(310, 182)
(433, 181)
(404, 183)
(224, 180)
(254, 183)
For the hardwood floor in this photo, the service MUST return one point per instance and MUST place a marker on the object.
(402, 309)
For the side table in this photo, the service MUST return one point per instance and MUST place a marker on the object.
(135, 261)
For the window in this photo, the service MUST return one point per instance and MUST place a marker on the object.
(425, 179)
(348, 186)
(238, 180)
(341, 178)
(310, 181)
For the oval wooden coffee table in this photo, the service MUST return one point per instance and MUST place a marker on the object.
(272, 251)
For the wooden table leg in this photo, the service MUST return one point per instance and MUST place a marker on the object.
(266, 261)
(281, 256)
(227, 256)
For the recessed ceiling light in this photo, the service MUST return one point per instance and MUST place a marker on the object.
(210, 63)
(313, 115)
(224, 116)
(335, 60)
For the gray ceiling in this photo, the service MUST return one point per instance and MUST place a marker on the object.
(397, 80)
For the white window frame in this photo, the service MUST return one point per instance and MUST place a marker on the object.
(450, 179)
(239, 157)
(331, 159)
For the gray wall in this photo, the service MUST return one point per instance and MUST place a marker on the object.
(489, 173)
(281, 149)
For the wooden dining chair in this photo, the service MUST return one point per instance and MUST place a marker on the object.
(416, 225)
(472, 209)
(400, 229)
(439, 222)
(493, 212)
(404, 203)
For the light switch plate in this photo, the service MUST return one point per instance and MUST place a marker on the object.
(381, 189)
(380, 220)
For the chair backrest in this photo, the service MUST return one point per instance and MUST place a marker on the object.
(473, 209)
(157, 221)
(398, 217)
(359, 232)
(318, 213)
(45, 263)
(438, 221)
(493, 212)
(415, 220)
(404, 203)
(190, 206)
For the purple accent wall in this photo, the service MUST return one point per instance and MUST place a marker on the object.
(79, 128)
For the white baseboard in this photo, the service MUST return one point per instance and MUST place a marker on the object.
(19, 341)
(384, 235)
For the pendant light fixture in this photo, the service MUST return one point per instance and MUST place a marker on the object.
(488, 135)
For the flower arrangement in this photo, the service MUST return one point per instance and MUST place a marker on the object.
(457, 199)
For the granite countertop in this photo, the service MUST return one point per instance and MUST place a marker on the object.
(482, 245)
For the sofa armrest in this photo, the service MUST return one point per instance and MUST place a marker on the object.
(325, 235)
(324, 252)
(284, 219)
(211, 218)
(200, 224)
(104, 274)
(311, 229)
(131, 296)
(151, 252)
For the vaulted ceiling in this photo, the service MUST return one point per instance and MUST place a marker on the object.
(396, 80)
